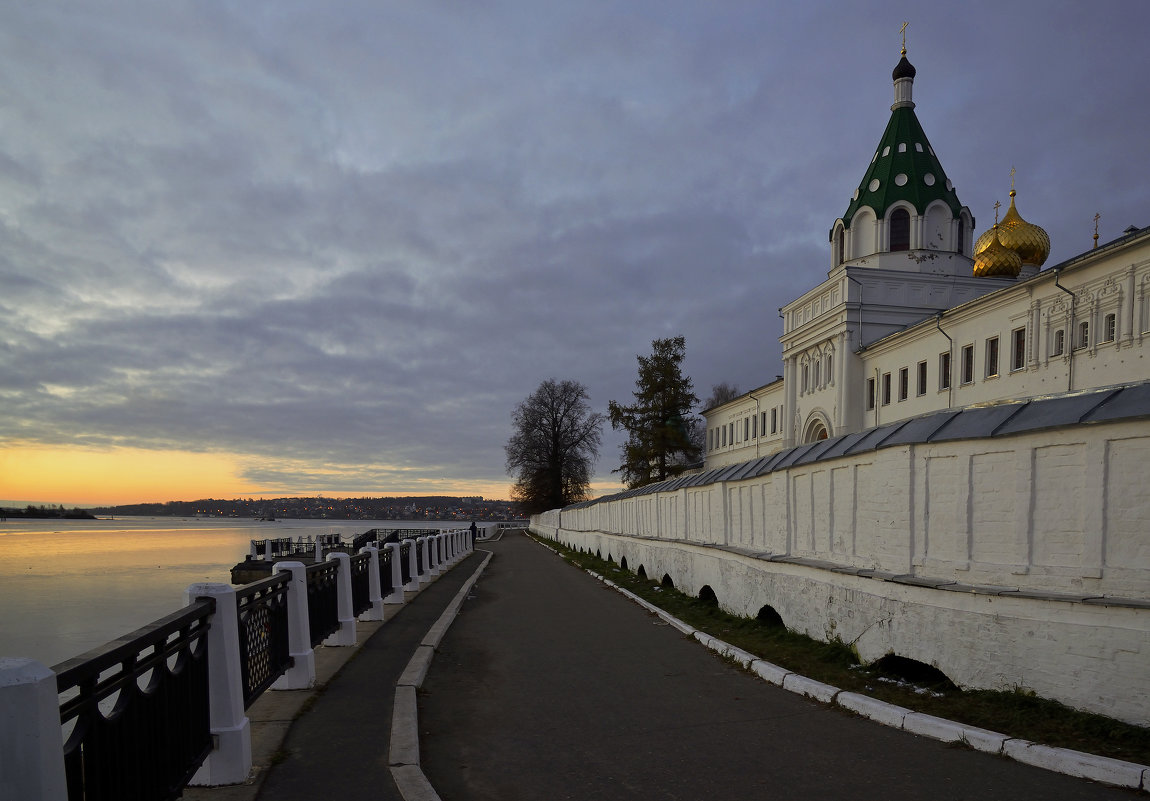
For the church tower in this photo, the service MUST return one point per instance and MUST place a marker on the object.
(904, 214)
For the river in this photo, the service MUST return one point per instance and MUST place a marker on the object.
(67, 586)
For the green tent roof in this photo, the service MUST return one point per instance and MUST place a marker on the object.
(904, 168)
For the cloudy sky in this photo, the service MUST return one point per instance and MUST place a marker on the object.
(301, 247)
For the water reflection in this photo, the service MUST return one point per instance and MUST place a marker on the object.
(69, 586)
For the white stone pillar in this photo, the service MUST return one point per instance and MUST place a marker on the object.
(31, 740)
(396, 594)
(318, 549)
(345, 634)
(425, 575)
(268, 549)
(412, 570)
(374, 591)
(433, 546)
(230, 761)
(300, 676)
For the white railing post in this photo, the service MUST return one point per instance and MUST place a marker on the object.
(268, 549)
(374, 591)
(433, 550)
(345, 634)
(318, 548)
(301, 676)
(230, 761)
(31, 741)
(425, 574)
(413, 585)
(396, 594)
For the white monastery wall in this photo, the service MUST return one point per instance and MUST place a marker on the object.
(1019, 561)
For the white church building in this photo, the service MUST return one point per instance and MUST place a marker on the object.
(952, 467)
(917, 316)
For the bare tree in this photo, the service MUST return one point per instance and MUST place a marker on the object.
(720, 394)
(553, 448)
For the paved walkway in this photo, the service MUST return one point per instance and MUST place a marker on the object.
(550, 685)
(338, 748)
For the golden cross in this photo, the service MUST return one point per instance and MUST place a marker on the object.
(997, 205)
(1012, 179)
(1097, 217)
(902, 30)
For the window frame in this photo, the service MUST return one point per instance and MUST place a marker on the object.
(870, 394)
(990, 365)
(903, 383)
(920, 388)
(1018, 349)
(886, 389)
(966, 365)
(1058, 342)
(1110, 327)
(944, 376)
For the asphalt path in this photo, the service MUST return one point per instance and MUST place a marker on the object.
(338, 749)
(550, 685)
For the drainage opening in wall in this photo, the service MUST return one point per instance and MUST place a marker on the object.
(666, 582)
(623, 563)
(641, 573)
(598, 554)
(707, 596)
(920, 674)
(770, 618)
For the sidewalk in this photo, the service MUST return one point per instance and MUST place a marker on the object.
(333, 742)
(550, 685)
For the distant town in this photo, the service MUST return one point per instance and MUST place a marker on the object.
(403, 508)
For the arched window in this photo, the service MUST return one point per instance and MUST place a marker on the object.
(899, 230)
(961, 236)
(840, 255)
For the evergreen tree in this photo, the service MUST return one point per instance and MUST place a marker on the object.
(658, 423)
(554, 447)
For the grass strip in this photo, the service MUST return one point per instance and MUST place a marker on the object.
(1016, 713)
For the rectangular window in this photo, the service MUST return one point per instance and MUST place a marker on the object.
(1084, 334)
(1059, 345)
(806, 378)
(886, 389)
(1109, 327)
(755, 427)
(944, 370)
(818, 382)
(763, 425)
(903, 383)
(746, 428)
(869, 394)
(992, 357)
(1018, 349)
(921, 378)
(732, 427)
(968, 364)
(724, 436)
(774, 420)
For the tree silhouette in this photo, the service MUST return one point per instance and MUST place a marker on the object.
(659, 423)
(553, 448)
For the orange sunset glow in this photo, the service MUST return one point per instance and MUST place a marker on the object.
(90, 477)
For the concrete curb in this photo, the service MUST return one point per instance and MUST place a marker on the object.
(404, 756)
(1058, 760)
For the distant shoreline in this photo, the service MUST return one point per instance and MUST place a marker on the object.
(47, 514)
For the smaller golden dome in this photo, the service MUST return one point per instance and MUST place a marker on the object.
(996, 260)
(1028, 240)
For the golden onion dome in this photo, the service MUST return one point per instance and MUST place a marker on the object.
(1028, 240)
(996, 260)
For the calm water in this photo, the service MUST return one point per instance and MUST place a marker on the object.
(67, 586)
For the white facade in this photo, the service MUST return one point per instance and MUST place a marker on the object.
(903, 327)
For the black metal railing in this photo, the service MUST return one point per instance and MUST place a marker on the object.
(262, 608)
(385, 586)
(322, 600)
(360, 583)
(405, 560)
(138, 710)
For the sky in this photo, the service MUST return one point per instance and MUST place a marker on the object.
(294, 247)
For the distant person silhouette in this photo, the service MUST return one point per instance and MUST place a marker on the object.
(474, 531)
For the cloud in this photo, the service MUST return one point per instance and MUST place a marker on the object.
(347, 240)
